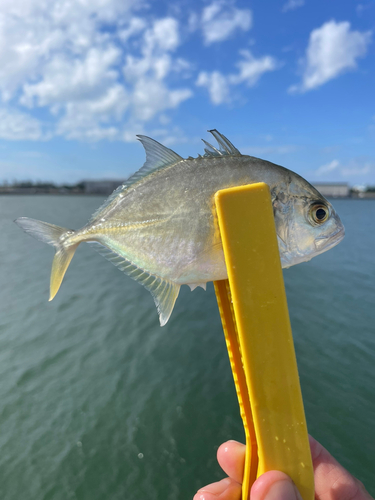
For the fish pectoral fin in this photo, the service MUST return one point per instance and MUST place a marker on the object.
(164, 292)
(282, 245)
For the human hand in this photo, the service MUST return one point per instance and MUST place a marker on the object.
(332, 481)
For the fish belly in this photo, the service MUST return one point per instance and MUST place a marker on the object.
(181, 249)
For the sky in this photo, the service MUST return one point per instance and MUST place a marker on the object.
(289, 81)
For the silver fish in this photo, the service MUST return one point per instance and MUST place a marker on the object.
(159, 227)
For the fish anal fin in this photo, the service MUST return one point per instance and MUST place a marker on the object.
(164, 292)
(193, 286)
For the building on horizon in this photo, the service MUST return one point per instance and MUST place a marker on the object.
(104, 186)
(333, 189)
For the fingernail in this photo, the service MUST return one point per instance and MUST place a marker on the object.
(282, 490)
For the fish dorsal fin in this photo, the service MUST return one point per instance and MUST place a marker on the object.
(164, 292)
(157, 157)
(226, 148)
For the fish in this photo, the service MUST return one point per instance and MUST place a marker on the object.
(160, 226)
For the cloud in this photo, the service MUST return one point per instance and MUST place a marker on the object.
(34, 32)
(250, 69)
(361, 8)
(92, 119)
(18, 126)
(101, 70)
(163, 35)
(151, 96)
(355, 167)
(328, 167)
(217, 85)
(135, 26)
(333, 49)
(94, 66)
(147, 73)
(220, 20)
(292, 5)
(269, 150)
(89, 77)
(168, 136)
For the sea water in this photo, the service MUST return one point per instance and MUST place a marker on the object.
(98, 402)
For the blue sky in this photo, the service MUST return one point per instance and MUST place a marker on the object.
(289, 81)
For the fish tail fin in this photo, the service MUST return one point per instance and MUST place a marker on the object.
(51, 234)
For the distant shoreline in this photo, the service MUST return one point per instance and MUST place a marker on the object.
(105, 187)
(31, 192)
(57, 193)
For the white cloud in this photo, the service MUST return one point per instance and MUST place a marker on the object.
(136, 25)
(99, 69)
(162, 35)
(328, 167)
(88, 119)
(151, 96)
(93, 133)
(17, 126)
(168, 136)
(32, 32)
(67, 79)
(292, 5)
(358, 168)
(354, 167)
(147, 73)
(333, 49)
(193, 22)
(217, 85)
(269, 150)
(220, 20)
(94, 66)
(250, 70)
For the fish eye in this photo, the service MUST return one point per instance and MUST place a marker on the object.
(318, 213)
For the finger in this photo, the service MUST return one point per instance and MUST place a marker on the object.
(274, 485)
(231, 457)
(332, 481)
(226, 489)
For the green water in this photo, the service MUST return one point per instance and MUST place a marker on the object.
(98, 402)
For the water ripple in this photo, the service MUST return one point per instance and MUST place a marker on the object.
(97, 401)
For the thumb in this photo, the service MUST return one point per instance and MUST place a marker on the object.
(274, 485)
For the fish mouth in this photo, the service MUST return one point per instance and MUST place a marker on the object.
(324, 243)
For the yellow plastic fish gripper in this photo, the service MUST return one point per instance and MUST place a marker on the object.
(255, 318)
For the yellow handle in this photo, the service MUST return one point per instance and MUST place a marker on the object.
(256, 323)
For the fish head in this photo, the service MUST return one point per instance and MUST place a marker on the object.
(306, 223)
